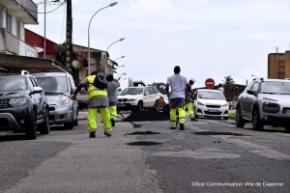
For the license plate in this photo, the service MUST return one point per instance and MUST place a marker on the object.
(212, 110)
(121, 105)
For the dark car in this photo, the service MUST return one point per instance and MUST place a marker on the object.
(23, 105)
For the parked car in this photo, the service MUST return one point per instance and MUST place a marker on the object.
(23, 105)
(139, 98)
(264, 101)
(211, 103)
(58, 87)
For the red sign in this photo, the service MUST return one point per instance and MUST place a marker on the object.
(209, 83)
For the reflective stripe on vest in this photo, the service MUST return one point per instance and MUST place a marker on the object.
(93, 91)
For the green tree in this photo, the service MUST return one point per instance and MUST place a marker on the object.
(228, 80)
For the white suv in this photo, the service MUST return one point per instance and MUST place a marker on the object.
(138, 98)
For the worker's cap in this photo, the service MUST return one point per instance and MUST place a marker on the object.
(192, 81)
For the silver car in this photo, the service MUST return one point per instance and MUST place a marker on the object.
(265, 101)
(58, 86)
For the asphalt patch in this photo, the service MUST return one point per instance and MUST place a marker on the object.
(218, 133)
(143, 133)
(144, 143)
(147, 116)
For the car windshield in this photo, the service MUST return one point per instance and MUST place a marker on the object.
(210, 95)
(53, 84)
(8, 83)
(282, 88)
(132, 91)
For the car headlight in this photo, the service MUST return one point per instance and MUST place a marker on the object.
(65, 100)
(15, 102)
(200, 103)
(225, 105)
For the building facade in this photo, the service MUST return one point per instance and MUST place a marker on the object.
(14, 14)
(279, 65)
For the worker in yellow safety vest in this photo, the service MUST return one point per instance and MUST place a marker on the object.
(98, 101)
(189, 97)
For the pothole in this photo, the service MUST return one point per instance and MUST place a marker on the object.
(144, 143)
(143, 133)
(218, 133)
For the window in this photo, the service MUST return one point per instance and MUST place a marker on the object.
(281, 69)
(255, 87)
(9, 23)
(152, 91)
(18, 30)
(1, 17)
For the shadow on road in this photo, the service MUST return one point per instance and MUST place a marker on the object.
(147, 116)
(12, 137)
(144, 143)
(143, 133)
(218, 133)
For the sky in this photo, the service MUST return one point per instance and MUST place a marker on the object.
(206, 38)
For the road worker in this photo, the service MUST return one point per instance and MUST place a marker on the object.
(175, 88)
(189, 97)
(112, 86)
(98, 101)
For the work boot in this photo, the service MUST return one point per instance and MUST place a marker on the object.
(113, 122)
(92, 134)
(108, 133)
(181, 126)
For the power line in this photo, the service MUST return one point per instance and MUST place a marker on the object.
(47, 12)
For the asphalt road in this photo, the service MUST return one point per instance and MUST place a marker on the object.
(208, 156)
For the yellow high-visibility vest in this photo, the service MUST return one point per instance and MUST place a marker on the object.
(93, 91)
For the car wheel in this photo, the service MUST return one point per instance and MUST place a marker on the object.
(196, 116)
(139, 106)
(287, 128)
(30, 129)
(69, 125)
(226, 118)
(76, 121)
(240, 122)
(257, 123)
(44, 127)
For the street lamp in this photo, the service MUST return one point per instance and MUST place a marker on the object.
(114, 42)
(119, 58)
(89, 49)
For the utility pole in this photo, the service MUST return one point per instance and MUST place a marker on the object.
(69, 47)
(44, 31)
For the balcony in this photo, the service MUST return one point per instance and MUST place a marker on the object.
(24, 9)
(11, 44)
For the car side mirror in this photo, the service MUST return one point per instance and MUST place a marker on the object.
(251, 92)
(37, 89)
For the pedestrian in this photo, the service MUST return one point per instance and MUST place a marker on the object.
(98, 101)
(112, 86)
(175, 88)
(189, 99)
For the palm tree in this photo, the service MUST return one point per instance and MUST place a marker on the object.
(228, 80)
